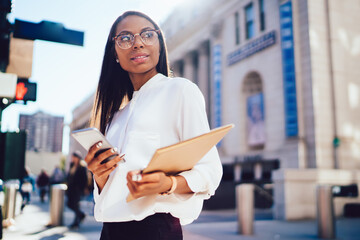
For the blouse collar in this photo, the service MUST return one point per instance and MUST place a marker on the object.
(149, 83)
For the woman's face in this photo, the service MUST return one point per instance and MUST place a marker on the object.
(139, 58)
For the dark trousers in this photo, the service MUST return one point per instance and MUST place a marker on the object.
(160, 226)
(26, 199)
(74, 205)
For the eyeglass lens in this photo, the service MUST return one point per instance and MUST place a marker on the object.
(127, 40)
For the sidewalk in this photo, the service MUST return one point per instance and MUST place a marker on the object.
(222, 225)
(211, 225)
(31, 224)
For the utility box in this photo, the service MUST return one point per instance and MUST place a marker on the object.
(12, 155)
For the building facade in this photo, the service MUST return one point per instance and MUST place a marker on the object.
(81, 119)
(44, 132)
(284, 72)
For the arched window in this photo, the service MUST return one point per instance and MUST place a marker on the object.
(255, 111)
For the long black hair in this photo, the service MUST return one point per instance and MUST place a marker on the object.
(115, 87)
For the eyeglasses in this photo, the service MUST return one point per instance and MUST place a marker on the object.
(125, 40)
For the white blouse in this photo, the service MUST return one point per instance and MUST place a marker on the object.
(163, 112)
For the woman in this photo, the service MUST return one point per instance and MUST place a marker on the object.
(155, 111)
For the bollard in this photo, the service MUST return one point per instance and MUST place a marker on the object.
(57, 195)
(10, 203)
(325, 212)
(245, 208)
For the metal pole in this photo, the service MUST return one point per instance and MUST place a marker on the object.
(245, 208)
(1, 204)
(1, 110)
(325, 212)
(57, 204)
(333, 96)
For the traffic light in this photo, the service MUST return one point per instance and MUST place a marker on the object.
(25, 90)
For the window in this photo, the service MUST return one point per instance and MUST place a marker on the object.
(249, 19)
(237, 29)
(262, 15)
(254, 111)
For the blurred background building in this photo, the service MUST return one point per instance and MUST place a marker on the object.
(81, 118)
(286, 73)
(44, 134)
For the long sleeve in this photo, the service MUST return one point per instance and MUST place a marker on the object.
(205, 177)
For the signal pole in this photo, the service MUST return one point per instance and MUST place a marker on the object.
(22, 33)
(5, 29)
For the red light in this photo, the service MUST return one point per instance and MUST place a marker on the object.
(21, 90)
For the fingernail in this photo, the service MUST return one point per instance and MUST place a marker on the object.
(99, 144)
(122, 158)
(114, 150)
(136, 177)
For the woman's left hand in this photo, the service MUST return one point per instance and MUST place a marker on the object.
(149, 184)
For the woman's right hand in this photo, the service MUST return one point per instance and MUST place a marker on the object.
(101, 171)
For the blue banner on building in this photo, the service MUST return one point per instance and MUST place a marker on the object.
(288, 64)
(217, 71)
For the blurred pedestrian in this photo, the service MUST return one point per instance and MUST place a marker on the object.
(27, 185)
(57, 176)
(90, 185)
(42, 182)
(77, 183)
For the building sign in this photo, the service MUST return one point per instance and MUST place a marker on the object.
(251, 48)
(217, 85)
(288, 64)
(255, 120)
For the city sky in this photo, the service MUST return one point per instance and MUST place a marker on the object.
(66, 74)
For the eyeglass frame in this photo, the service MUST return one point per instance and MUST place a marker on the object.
(134, 35)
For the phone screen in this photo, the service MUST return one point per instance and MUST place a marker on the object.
(88, 137)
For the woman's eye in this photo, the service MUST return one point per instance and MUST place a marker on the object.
(125, 38)
(148, 34)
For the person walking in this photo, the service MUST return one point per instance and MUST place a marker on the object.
(57, 176)
(42, 182)
(27, 185)
(76, 183)
(139, 107)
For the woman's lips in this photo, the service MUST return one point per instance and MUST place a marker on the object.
(140, 58)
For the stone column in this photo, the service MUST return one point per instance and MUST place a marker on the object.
(203, 72)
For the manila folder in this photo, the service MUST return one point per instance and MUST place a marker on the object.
(184, 155)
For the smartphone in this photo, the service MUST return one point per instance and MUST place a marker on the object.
(88, 137)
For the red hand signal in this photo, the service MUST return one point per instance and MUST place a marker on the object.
(21, 90)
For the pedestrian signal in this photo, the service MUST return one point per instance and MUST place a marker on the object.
(25, 90)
